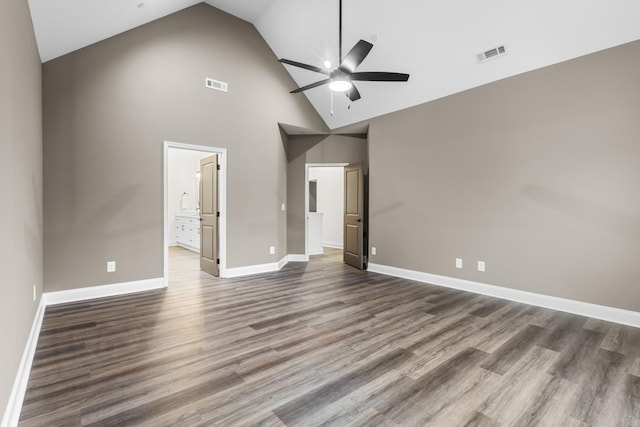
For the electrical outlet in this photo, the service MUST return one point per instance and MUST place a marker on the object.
(34, 292)
(282, 207)
(480, 265)
(272, 250)
(373, 250)
(111, 266)
(458, 262)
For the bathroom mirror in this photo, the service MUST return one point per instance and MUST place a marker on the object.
(313, 192)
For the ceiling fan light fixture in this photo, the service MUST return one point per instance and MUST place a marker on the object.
(340, 85)
(340, 79)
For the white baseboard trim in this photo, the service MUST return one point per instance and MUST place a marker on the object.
(283, 262)
(316, 251)
(334, 245)
(256, 269)
(298, 258)
(596, 311)
(81, 294)
(14, 406)
(187, 247)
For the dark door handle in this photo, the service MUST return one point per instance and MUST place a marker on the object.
(359, 220)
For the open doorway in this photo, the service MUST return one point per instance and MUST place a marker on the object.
(182, 207)
(324, 207)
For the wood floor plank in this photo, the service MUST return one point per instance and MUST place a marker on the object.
(489, 307)
(523, 385)
(564, 333)
(623, 339)
(133, 413)
(578, 359)
(459, 401)
(348, 409)
(371, 417)
(631, 407)
(606, 371)
(294, 411)
(634, 367)
(322, 343)
(407, 403)
(478, 419)
(508, 354)
(502, 325)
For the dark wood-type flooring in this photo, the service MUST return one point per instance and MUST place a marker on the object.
(325, 344)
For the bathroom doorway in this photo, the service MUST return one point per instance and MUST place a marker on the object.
(324, 207)
(182, 208)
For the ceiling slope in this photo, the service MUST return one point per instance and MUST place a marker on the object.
(62, 26)
(249, 10)
(434, 40)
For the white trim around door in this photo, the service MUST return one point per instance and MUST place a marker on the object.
(222, 202)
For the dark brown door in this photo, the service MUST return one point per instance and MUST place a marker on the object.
(353, 215)
(209, 214)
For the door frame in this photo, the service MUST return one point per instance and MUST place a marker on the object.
(306, 198)
(222, 202)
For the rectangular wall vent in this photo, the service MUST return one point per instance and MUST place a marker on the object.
(215, 84)
(496, 52)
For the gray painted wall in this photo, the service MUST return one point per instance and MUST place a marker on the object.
(303, 149)
(537, 175)
(109, 107)
(20, 186)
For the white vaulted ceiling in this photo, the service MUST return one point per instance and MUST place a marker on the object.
(433, 40)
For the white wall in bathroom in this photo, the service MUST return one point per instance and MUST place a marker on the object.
(330, 201)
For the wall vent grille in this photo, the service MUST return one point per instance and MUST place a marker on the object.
(216, 84)
(496, 52)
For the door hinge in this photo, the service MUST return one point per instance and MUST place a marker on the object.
(218, 261)
(218, 167)
(218, 214)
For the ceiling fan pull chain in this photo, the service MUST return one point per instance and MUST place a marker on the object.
(331, 92)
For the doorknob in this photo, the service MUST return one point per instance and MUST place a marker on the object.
(359, 220)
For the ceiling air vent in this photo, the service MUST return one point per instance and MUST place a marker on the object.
(496, 52)
(215, 84)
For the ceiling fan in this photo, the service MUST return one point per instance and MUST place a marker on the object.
(341, 79)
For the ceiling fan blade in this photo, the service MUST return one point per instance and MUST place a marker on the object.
(305, 66)
(353, 94)
(355, 56)
(311, 86)
(377, 76)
